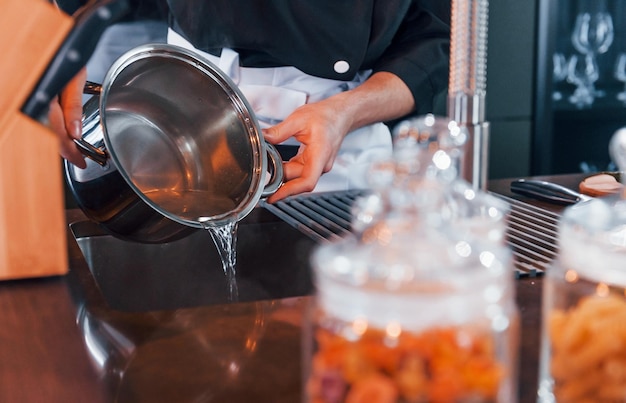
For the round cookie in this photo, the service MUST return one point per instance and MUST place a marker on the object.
(600, 185)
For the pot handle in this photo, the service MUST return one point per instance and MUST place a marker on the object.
(91, 114)
(91, 88)
(92, 152)
(275, 163)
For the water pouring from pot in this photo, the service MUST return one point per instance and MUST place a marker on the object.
(172, 146)
(183, 148)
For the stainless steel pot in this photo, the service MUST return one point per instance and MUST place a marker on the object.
(173, 146)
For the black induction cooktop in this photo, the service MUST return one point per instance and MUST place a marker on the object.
(272, 262)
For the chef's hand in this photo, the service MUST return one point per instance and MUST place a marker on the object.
(320, 127)
(65, 115)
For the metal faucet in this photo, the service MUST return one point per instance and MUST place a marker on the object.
(467, 85)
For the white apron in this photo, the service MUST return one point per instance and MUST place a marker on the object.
(274, 93)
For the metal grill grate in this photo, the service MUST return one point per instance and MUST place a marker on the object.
(532, 235)
(321, 216)
(324, 217)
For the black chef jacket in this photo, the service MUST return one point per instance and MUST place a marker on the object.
(397, 36)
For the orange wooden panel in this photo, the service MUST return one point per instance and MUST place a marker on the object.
(32, 219)
(32, 31)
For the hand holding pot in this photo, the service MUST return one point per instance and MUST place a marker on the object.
(320, 128)
(66, 74)
(65, 115)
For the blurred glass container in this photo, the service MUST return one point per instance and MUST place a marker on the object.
(417, 179)
(583, 354)
(422, 315)
(429, 143)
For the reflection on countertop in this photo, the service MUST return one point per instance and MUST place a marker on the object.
(236, 352)
(184, 350)
(160, 327)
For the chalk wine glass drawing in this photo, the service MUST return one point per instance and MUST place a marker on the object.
(593, 35)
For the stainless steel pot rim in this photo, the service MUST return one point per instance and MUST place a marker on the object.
(239, 104)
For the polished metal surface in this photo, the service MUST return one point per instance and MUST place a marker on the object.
(184, 140)
(532, 234)
(531, 231)
(548, 191)
(322, 217)
(467, 84)
(175, 133)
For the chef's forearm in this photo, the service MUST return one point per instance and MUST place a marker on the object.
(383, 97)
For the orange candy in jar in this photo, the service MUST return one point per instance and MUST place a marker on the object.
(584, 307)
(437, 365)
(425, 318)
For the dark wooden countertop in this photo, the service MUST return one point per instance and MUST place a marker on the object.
(60, 343)
(42, 351)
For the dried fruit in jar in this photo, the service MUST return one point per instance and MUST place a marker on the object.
(588, 343)
(452, 364)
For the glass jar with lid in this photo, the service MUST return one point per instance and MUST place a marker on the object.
(583, 355)
(424, 315)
